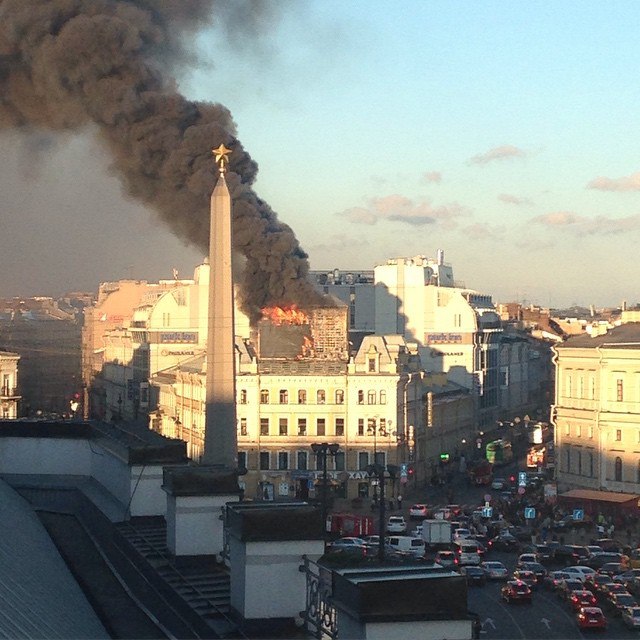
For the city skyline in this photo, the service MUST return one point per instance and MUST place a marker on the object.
(503, 134)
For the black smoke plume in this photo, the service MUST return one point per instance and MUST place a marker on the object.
(110, 64)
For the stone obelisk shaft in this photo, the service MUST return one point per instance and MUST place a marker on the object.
(220, 438)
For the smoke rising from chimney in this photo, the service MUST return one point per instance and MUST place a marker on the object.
(66, 65)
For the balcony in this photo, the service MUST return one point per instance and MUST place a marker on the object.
(7, 393)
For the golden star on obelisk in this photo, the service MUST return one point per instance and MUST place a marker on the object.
(221, 154)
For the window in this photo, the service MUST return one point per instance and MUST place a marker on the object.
(264, 426)
(264, 396)
(619, 390)
(363, 460)
(567, 429)
(380, 458)
(243, 426)
(321, 426)
(339, 396)
(618, 435)
(302, 460)
(283, 426)
(372, 365)
(618, 469)
(283, 460)
(578, 430)
(264, 460)
(242, 459)
(568, 459)
(302, 426)
(591, 464)
(339, 426)
(581, 387)
(340, 461)
(302, 396)
(569, 385)
(503, 377)
(321, 396)
(243, 396)
(593, 388)
(360, 396)
(371, 397)
(371, 426)
(579, 463)
(284, 396)
(360, 426)
(457, 320)
(383, 397)
(591, 431)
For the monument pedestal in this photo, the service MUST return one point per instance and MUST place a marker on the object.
(196, 497)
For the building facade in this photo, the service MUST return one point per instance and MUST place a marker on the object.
(597, 410)
(9, 393)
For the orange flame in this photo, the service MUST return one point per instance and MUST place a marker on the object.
(285, 315)
(307, 347)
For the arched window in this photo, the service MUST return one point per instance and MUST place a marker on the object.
(284, 396)
(339, 396)
(371, 397)
(264, 396)
(383, 397)
(618, 469)
(360, 396)
(321, 396)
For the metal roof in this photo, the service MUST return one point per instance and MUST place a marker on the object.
(602, 496)
(39, 598)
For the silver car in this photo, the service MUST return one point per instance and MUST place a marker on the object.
(495, 570)
(631, 617)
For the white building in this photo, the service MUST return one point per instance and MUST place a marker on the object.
(457, 330)
(9, 395)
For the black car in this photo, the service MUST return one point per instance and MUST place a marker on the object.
(537, 568)
(570, 554)
(543, 551)
(474, 575)
(505, 542)
(600, 559)
(609, 545)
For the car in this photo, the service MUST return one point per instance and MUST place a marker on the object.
(396, 524)
(446, 559)
(552, 580)
(609, 590)
(474, 575)
(580, 572)
(483, 540)
(611, 569)
(467, 551)
(602, 588)
(526, 557)
(516, 591)
(537, 568)
(570, 554)
(543, 551)
(609, 545)
(593, 582)
(594, 549)
(417, 511)
(442, 514)
(504, 542)
(528, 577)
(461, 533)
(521, 533)
(495, 570)
(627, 576)
(455, 509)
(596, 561)
(349, 542)
(584, 598)
(567, 586)
(621, 601)
(631, 617)
(591, 618)
(499, 483)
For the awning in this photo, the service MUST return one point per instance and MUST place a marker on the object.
(600, 496)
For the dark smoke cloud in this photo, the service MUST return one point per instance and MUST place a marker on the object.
(110, 64)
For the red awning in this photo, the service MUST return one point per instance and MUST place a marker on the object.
(600, 496)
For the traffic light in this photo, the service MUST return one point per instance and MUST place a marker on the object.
(410, 471)
(512, 478)
(444, 457)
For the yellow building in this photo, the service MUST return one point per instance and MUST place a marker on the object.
(597, 410)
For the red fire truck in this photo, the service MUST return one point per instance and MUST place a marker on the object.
(349, 524)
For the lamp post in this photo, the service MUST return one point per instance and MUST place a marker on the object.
(378, 471)
(321, 449)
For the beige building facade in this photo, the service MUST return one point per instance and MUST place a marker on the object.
(9, 394)
(597, 410)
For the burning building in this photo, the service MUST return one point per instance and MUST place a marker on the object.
(291, 333)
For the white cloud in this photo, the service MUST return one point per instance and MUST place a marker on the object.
(511, 199)
(583, 226)
(504, 152)
(626, 183)
(432, 177)
(398, 208)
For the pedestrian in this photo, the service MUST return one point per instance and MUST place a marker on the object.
(399, 502)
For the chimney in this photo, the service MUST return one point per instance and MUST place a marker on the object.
(220, 439)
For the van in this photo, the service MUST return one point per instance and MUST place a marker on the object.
(407, 544)
(467, 552)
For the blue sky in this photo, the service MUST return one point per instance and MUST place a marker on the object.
(505, 133)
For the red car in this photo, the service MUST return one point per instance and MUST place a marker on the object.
(580, 599)
(516, 591)
(591, 618)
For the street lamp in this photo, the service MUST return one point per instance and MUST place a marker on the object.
(321, 449)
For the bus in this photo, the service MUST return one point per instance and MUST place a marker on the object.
(499, 452)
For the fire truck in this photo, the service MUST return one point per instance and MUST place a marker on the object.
(349, 524)
(481, 473)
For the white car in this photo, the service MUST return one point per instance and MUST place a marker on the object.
(461, 534)
(419, 511)
(396, 524)
(527, 557)
(495, 570)
(578, 572)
